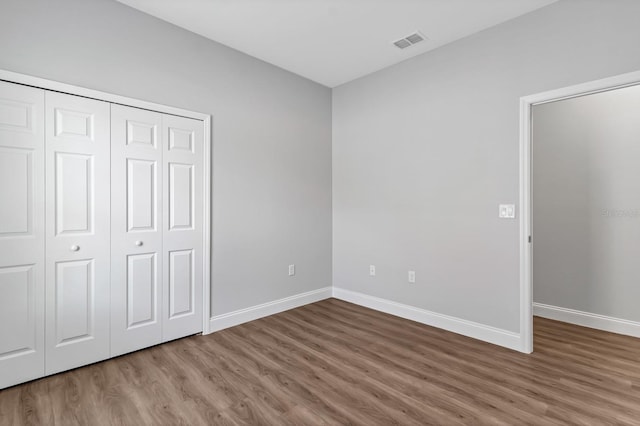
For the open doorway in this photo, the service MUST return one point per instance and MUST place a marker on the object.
(580, 203)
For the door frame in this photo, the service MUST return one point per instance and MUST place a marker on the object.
(41, 83)
(526, 104)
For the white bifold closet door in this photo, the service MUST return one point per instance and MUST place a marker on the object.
(77, 231)
(182, 250)
(156, 218)
(136, 226)
(101, 230)
(21, 233)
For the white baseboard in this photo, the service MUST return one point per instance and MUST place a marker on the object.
(471, 329)
(587, 319)
(220, 322)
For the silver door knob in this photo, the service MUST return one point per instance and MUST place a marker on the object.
(138, 243)
(74, 248)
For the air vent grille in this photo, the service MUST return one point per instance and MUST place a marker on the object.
(403, 43)
(415, 38)
(409, 40)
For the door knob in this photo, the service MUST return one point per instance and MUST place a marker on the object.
(74, 248)
(138, 243)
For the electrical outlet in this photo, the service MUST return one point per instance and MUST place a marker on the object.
(372, 270)
(292, 270)
(412, 276)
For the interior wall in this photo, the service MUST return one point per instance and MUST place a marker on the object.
(586, 209)
(425, 151)
(271, 131)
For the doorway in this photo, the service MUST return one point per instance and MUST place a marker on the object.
(579, 211)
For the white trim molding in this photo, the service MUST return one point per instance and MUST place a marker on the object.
(526, 104)
(231, 319)
(587, 319)
(42, 83)
(486, 333)
(207, 220)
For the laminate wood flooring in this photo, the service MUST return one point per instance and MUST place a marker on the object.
(333, 363)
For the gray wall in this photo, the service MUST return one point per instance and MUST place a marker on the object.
(271, 131)
(586, 203)
(424, 151)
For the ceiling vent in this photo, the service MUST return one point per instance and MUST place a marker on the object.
(402, 43)
(409, 40)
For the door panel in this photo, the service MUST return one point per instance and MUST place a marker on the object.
(78, 231)
(75, 301)
(181, 196)
(145, 134)
(16, 184)
(182, 240)
(141, 193)
(73, 193)
(181, 283)
(17, 115)
(21, 233)
(181, 139)
(78, 125)
(142, 284)
(17, 311)
(136, 221)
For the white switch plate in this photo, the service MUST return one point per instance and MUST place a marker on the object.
(507, 211)
(292, 270)
(372, 270)
(412, 276)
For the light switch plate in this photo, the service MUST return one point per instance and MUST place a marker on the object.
(507, 211)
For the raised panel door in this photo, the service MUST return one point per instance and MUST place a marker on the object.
(136, 223)
(183, 230)
(77, 231)
(21, 233)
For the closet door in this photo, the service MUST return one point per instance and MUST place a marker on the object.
(77, 231)
(182, 239)
(21, 234)
(136, 229)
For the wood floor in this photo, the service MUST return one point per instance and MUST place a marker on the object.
(336, 363)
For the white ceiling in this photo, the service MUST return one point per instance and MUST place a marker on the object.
(334, 41)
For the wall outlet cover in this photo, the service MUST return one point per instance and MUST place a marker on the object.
(507, 211)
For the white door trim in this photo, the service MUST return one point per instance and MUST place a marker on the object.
(41, 83)
(526, 103)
